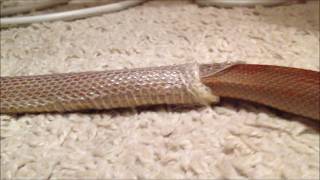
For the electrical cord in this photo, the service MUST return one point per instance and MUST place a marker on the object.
(69, 15)
(27, 7)
(233, 3)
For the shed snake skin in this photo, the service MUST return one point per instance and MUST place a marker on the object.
(292, 90)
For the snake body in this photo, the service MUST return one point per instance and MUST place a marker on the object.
(103, 90)
(288, 89)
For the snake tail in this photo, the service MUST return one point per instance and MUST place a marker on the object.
(178, 84)
(288, 89)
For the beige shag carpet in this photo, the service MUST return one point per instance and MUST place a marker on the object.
(229, 140)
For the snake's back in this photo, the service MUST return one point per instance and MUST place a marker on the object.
(102, 90)
(288, 89)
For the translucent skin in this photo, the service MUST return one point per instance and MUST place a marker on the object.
(288, 89)
(104, 90)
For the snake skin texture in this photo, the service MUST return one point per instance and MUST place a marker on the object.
(104, 90)
(288, 89)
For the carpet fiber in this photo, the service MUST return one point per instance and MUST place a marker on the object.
(230, 140)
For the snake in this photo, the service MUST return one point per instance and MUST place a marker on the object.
(292, 90)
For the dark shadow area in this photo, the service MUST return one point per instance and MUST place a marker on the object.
(300, 14)
(305, 18)
(241, 104)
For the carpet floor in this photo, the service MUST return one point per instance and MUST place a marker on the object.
(229, 140)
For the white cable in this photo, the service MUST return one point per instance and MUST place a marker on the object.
(232, 3)
(69, 15)
(27, 7)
